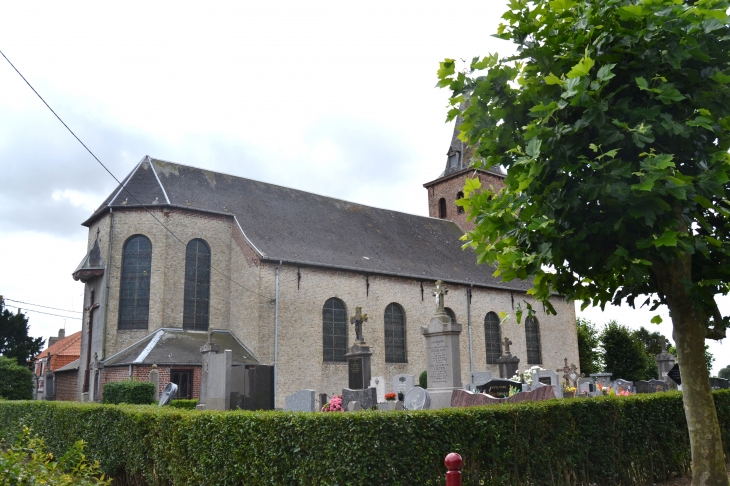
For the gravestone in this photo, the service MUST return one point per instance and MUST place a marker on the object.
(168, 394)
(481, 377)
(323, 400)
(586, 386)
(404, 382)
(154, 378)
(675, 375)
(358, 357)
(418, 399)
(719, 383)
(301, 401)
(651, 386)
(507, 363)
(623, 385)
(207, 350)
(368, 397)
(379, 384)
(603, 378)
(664, 360)
(354, 406)
(218, 393)
(442, 353)
(549, 378)
(463, 398)
(499, 388)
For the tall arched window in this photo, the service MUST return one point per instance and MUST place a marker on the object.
(532, 334)
(197, 286)
(134, 291)
(442, 208)
(334, 330)
(492, 338)
(459, 209)
(395, 334)
(450, 313)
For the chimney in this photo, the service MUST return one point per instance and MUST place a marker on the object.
(61, 334)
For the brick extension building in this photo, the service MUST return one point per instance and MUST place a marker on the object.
(280, 271)
(56, 368)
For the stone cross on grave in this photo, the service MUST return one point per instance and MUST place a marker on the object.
(665, 345)
(440, 292)
(358, 320)
(566, 372)
(507, 342)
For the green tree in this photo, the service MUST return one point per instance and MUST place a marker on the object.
(623, 354)
(709, 358)
(14, 340)
(652, 345)
(17, 381)
(589, 355)
(613, 124)
(725, 373)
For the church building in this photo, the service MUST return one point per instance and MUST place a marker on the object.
(177, 252)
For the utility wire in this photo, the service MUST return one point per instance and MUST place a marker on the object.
(38, 305)
(115, 178)
(20, 311)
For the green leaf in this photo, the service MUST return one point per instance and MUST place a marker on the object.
(471, 185)
(633, 12)
(552, 79)
(668, 238)
(533, 148)
(642, 83)
(604, 74)
(446, 68)
(581, 69)
(656, 319)
(562, 5)
(720, 78)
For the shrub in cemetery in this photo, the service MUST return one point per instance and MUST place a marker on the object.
(725, 373)
(187, 404)
(423, 379)
(607, 441)
(623, 354)
(130, 391)
(16, 382)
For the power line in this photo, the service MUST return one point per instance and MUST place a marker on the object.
(20, 311)
(44, 306)
(115, 178)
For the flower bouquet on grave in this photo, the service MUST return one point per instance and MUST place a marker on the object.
(334, 405)
(568, 391)
(389, 397)
(401, 394)
(604, 389)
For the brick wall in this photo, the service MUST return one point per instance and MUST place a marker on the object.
(449, 187)
(142, 373)
(66, 389)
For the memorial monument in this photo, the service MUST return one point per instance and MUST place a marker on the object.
(508, 364)
(442, 353)
(358, 357)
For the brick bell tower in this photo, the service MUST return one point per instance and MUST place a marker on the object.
(449, 186)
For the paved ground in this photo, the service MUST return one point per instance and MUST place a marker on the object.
(683, 481)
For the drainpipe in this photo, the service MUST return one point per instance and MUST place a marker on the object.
(108, 280)
(276, 331)
(468, 325)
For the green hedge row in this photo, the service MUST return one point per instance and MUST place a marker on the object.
(607, 441)
(130, 391)
(184, 403)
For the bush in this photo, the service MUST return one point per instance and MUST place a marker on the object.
(28, 461)
(17, 381)
(725, 373)
(423, 379)
(539, 443)
(185, 404)
(130, 391)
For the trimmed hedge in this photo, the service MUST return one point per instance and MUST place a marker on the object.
(130, 392)
(17, 381)
(605, 440)
(184, 403)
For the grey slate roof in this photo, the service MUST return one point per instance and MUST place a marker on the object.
(303, 228)
(175, 346)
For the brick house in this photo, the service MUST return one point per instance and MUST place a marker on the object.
(280, 271)
(51, 368)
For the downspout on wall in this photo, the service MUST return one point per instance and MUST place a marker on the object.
(108, 281)
(276, 331)
(468, 325)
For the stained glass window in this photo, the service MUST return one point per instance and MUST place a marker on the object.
(395, 334)
(134, 292)
(532, 334)
(334, 330)
(197, 286)
(492, 338)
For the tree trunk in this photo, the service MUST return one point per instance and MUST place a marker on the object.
(689, 323)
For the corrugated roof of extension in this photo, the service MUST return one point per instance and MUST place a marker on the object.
(302, 228)
(175, 346)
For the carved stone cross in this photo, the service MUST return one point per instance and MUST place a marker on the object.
(89, 311)
(566, 372)
(358, 319)
(665, 345)
(440, 292)
(507, 342)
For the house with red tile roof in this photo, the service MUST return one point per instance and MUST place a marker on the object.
(61, 353)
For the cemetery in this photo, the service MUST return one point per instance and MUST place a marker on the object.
(385, 430)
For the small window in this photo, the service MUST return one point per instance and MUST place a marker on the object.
(451, 314)
(134, 291)
(334, 331)
(442, 208)
(395, 334)
(459, 209)
(196, 302)
(492, 338)
(453, 159)
(184, 382)
(532, 334)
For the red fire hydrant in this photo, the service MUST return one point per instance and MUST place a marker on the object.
(453, 464)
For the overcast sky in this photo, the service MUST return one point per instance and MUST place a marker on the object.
(334, 97)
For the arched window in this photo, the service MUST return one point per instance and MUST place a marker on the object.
(197, 286)
(442, 208)
(451, 314)
(459, 209)
(532, 334)
(395, 334)
(334, 330)
(134, 291)
(492, 338)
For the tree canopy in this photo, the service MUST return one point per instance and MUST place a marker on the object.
(14, 340)
(589, 356)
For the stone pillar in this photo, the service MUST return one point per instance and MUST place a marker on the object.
(665, 362)
(358, 366)
(207, 349)
(154, 378)
(218, 393)
(443, 354)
